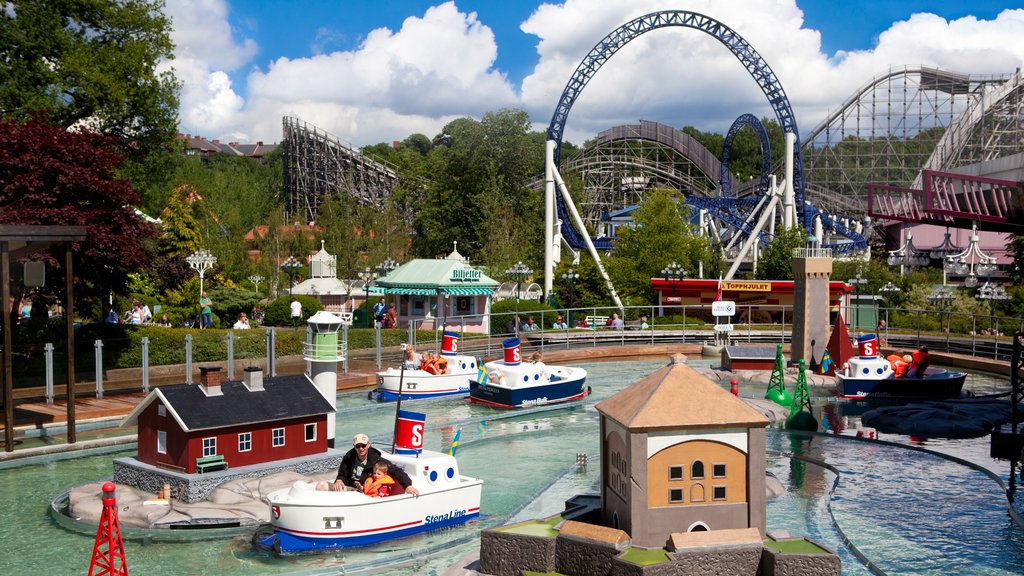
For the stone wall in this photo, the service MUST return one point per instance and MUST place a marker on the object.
(505, 553)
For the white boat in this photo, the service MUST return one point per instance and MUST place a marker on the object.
(512, 383)
(416, 384)
(304, 519)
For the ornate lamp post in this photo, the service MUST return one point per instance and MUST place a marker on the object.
(970, 263)
(907, 256)
(367, 276)
(888, 289)
(201, 261)
(857, 281)
(291, 267)
(942, 296)
(518, 272)
(992, 293)
(256, 279)
(571, 277)
(673, 271)
(386, 267)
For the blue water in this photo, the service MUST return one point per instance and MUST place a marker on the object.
(909, 511)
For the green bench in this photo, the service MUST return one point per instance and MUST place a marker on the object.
(207, 463)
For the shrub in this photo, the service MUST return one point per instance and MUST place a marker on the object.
(278, 313)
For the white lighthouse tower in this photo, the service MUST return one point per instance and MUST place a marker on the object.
(322, 354)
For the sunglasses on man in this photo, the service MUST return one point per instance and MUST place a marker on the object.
(360, 446)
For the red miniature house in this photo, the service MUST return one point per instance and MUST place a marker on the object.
(218, 425)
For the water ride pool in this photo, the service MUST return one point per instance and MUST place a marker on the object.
(907, 511)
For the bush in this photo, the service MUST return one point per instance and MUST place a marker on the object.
(505, 310)
(278, 313)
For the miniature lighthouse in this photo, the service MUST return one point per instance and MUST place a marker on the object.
(323, 357)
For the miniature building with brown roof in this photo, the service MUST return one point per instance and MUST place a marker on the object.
(679, 454)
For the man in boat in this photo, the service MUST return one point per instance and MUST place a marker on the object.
(357, 466)
(919, 363)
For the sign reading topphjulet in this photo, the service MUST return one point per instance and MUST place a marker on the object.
(723, 308)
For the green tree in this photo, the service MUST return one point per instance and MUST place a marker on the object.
(659, 235)
(181, 234)
(94, 64)
(776, 262)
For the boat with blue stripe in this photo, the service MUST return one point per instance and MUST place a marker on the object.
(513, 383)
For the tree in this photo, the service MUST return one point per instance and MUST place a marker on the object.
(776, 261)
(92, 64)
(659, 235)
(54, 177)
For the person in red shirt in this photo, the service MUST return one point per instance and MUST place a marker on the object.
(918, 363)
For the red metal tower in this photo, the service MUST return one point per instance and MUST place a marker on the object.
(108, 552)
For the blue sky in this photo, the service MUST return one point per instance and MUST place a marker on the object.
(371, 71)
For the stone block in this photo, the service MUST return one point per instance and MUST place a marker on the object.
(775, 563)
(504, 553)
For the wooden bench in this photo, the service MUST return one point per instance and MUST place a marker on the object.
(596, 321)
(206, 463)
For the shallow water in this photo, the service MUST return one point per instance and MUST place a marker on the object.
(910, 512)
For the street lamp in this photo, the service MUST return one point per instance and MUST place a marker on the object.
(992, 292)
(256, 279)
(908, 256)
(857, 281)
(673, 271)
(571, 277)
(201, 261)
(291, 267)
(386, 267)
(367, 276)
(942, 296)
(518, 272)
(887, 290)
(970, 263)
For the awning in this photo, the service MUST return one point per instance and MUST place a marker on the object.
(403, 290)
(467, 291)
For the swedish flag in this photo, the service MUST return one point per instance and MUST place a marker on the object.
(481, 373)
(455, 442)
(826, 361)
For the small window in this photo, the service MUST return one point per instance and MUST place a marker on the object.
(675, 495)
(697, 470)
(278, 437)
(161, 442)
(310, 432)
(245, 442)
(675, 472)
(718, 493)
(209, 446)
(161, 410)
(718, 471)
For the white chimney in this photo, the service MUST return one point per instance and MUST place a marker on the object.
(252, 379)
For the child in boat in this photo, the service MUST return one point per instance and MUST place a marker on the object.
(899, 364)
(379, 484)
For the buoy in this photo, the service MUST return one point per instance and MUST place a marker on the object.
(734, 387)
(108, 551)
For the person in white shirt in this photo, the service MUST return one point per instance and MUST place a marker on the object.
(296, 308)
(242, 323)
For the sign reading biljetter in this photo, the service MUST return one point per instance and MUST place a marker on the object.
(747, 286)
(465, 275)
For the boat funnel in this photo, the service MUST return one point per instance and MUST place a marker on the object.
(409, 432)
(867, 346)
(512, 354)
(450, 344)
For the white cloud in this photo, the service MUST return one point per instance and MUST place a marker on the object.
(440, 66)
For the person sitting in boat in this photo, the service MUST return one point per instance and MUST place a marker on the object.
(440, 365)
(496, 377)
(357, 465)
(412, 359)
(427, 363)
(899, 364)
(379, 484)
(919, 363)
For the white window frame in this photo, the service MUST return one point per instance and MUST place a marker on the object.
(245, 441)
(277, 437)
(161, 410)
(310, 426)
(209, 446)
(161, 442)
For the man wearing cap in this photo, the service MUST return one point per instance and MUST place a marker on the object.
(357, 465)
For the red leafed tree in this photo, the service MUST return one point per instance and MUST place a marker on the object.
(51, 176)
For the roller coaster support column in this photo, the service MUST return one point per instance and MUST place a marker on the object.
(788, 195)
(752, 238)
(549, 216)
(586, 237)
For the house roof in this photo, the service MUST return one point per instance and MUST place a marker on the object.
(432, 276)
(282, 397)
(676, 397)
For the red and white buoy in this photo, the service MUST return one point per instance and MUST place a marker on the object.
(734, 387)
(108, 551)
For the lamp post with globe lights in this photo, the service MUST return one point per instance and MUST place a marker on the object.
(992, 293)
(942, 296)
(367, 276)
(673, 271)
(908, 256)
(570, 276)
(518, 272)
(971, 263)
(887, 290)
(857, 281)
(201, 261)
(291, 267)
(256, 279)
